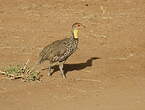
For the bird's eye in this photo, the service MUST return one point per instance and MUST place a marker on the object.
(78, 25)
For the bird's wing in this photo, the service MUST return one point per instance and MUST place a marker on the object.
(55, 51)
(58, 51)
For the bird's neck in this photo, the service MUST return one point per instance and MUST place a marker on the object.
(75, 33)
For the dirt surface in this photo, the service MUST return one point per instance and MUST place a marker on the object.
(107, 72)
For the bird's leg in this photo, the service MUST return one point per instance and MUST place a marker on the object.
(61, 69)
(50, 70)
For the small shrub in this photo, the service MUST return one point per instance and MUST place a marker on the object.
(20, 72)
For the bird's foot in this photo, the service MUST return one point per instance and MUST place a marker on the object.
(50, 72)
(64, 76)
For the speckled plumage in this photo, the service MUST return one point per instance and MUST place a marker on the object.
(58, 51)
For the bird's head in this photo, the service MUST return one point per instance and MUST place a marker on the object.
(75, 28)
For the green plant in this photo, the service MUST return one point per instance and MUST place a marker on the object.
(20, 72)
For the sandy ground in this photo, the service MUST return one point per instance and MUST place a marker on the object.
(107, 72)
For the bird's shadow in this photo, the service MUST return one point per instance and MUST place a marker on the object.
(78, 66)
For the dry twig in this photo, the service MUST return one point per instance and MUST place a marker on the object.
(26, 64)
(2, 72)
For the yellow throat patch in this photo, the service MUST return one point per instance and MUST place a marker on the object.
(75, 32)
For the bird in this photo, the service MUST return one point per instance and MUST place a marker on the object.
(59, 51)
